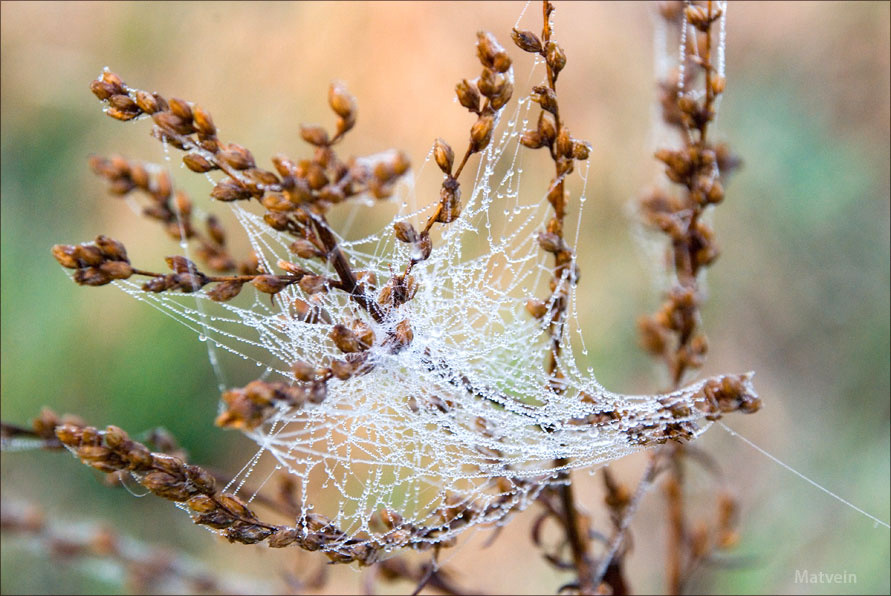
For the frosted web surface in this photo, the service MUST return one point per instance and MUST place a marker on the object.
(461, 427)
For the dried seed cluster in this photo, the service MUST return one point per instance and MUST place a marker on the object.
(485, 97)
(698, 169)
(296, 197)
(112, 451)
(173, 210)
(97, 263)
(552, 133)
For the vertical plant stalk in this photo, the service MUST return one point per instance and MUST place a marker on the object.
(674, 333)
(552, 133)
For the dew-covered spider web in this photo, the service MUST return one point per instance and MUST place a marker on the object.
(464, 425)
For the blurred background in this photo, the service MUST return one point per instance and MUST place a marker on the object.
(800, 294)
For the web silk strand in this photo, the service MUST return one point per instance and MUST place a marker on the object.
(877, 521)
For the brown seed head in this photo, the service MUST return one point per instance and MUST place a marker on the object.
(423, 248)
(340, 100)
(198, 163)
(201, 504)
(203, 121)
(314, 134)
(101, 89)
(536, 308)
(444, 157)
(546, 128)
(526, 41)
(500, 99)
(481, 132)
(346, 340)
(91, 276)
(270, 284)
(556, 58)
(276, 201)
(225, 291)
(180, 108)
(405, 232)
(580, 150)
(303, 371)
(313, 284)
(305, 249)
(147, 102)
(450, 200)
(202, 480)
(564, 143)
(552, 243)
(490, 52)
(545, 97)
(238, 157)
(65, 255)
(229, 190)
(282, 537)
(116, 269)
(468, 96)
(341, 369)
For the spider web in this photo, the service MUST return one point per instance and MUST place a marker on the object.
(464, 421)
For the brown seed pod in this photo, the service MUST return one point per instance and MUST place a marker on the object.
(450, 201)
(313, 284)
(91, 276)
(238, 157)
(340, 100)
(110, 248)
(276, 201)
(314, 134)
(116, 269)
(536, 308)
(229, 190)
(305, 249)
(270, 284)
(65, 255)
(556, 58)
(444, 157)
(203, 121)
(198, 163)
(481, 132)
(345, 339)
(405, 232)
(490, 52)
(423, 248)
(225, 291)
(282, 537)
(468, 96)
(545, 97)
(101, 89)
(526, 41)
(303, 371)
(201, 504)
(341, 369)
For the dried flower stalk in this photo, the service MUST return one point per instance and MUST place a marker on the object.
(673, 334)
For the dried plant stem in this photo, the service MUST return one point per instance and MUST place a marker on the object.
(674, 333)
(563, 150)
(678, 552)
(146, 569)
(611, 557)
